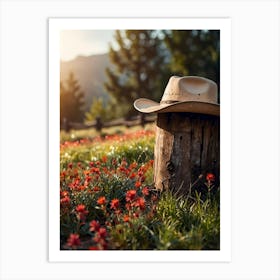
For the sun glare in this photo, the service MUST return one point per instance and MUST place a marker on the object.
(84, 42)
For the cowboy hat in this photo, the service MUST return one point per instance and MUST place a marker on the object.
(184, 94)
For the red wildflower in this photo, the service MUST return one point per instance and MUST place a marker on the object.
(81, 212)
(81, 208)
(64, 193)
(115, 203)
(95, 170)
(70, 165)
(104, 159)
(138, 184)
(101, 200)
(81, 188)
(132, 165)
(94, 225)
(102, 232)
(132, 175)
(65, 200)
(142, 179)
(210, 177)
(126, 218)
(130, 195)
(141, 203)
(145, 191)
(73, 240)
(96, 189)
(93, 248)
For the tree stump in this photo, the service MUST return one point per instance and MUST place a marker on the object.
(187, 145)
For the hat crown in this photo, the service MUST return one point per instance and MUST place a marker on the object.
(190, 88)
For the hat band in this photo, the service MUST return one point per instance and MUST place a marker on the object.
(169, 102)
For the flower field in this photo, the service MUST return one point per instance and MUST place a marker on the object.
(107, 200)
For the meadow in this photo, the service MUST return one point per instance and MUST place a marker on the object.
(108, 201)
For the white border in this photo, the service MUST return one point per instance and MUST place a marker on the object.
(55, 26)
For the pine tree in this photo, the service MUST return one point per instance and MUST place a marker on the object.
(71, 100)
(139, 63)
(195, 53)
(98, 108)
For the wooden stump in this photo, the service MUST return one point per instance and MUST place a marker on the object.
(187, 145)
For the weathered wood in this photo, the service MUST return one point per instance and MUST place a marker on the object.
(187, 145)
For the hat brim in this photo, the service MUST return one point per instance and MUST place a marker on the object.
(147, 106)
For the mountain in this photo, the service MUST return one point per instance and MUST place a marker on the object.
(90, 73)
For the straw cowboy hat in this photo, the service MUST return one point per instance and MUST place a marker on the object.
(184, 94)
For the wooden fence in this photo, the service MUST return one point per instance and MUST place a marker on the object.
(98, 124)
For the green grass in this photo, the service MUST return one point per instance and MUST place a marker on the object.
(111, 169)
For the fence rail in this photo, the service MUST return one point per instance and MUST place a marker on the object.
(98, 124)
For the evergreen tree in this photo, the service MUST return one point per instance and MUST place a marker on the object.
(194, 53)
(139, 61)
(71, 100)
(98, 108)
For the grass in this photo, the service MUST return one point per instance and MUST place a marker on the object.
(108, 201)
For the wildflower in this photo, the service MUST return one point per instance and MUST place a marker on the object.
(64, 193)
(96, 189)
(141, 203)
(102, 232)
(138, 184)
(128, 206)
(101, 200)
(104, 159)
(126, 218)
(93, 248)
(115, 203)
(70, 165)
(130, 195)
(73, 240)
(81, 208)
(142, 179)
(95, 170)
(132, 175)
(210, 177)
(81, 188)
(145, 191)
(94, 225)
(65, 200)
(81, 212)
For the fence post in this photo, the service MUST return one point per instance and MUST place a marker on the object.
(65, 125)
(142, 120)
(187, 145)
(98, 124)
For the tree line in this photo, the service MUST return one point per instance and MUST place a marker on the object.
(143, 61)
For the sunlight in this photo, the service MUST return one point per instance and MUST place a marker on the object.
(74, 43)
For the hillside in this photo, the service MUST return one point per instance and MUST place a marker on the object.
(90, 72)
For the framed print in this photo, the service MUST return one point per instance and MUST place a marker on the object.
(139, 139)
(41, 42)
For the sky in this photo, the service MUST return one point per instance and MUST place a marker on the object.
(84, 42)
